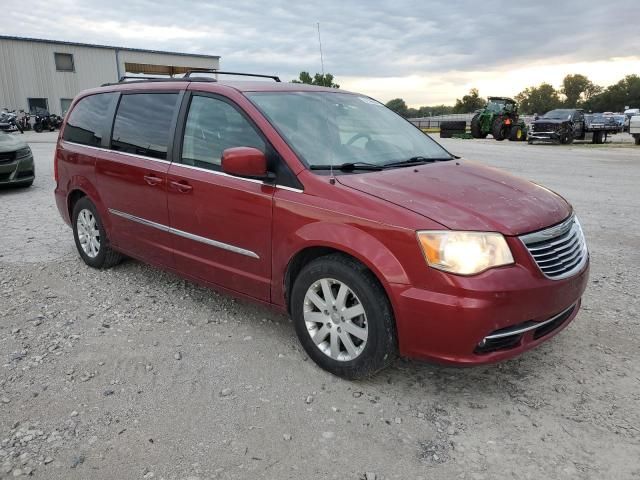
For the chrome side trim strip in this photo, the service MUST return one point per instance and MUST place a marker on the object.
(214, 172)
(127, 154)
(518, 331)
(190, 236)
(221, 174)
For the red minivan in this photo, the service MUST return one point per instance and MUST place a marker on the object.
(324, 204)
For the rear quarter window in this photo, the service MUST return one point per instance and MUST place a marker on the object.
(88, 121)
(143, 123)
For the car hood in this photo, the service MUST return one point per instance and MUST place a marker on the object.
(463, 195)
(549, 120)
(8, 143)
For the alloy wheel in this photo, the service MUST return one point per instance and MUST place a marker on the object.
(88, 233)
(335, 319)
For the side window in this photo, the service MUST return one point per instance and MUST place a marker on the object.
(143, 122)
(213, 126)
(87, 121)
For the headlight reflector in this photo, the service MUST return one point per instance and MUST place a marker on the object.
(464, 253)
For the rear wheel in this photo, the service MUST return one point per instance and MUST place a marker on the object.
(499, 130)
(90, 237)
(637, 139)
(598, 137)
(343, 318)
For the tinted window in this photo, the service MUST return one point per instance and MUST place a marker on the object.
(213, 126)
(86, 123)
(143, 122)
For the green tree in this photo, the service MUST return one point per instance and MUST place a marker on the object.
(469, 103)
(577, 88)
(538, 99)
(319, 79)
(431, 111)
(617, 96)
(399, 106)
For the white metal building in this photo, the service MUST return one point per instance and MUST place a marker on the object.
(47, 74)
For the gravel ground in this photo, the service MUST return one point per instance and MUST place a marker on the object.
(135, 373)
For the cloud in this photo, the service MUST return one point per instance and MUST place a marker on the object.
(440, 45)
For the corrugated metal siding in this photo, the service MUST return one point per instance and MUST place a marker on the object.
(28, 70)
(126, 56)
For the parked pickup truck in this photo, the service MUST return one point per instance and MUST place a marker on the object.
(634, 128)
(565, 125)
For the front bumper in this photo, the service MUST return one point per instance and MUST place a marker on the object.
(464, 326)
(550, 136)
(17, 170)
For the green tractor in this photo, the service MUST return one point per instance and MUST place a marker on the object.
(499, 118)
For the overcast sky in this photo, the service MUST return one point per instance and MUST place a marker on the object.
(427, 52)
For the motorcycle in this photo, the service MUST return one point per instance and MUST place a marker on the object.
(43, 121)
(24, 120)
(55, 120)
(8, 121)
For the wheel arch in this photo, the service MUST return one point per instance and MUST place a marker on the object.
(361, 246)
(79, 187)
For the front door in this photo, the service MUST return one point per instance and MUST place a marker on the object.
(221, 224)
(132, 175)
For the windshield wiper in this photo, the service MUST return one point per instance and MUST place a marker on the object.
(348, 167)
(415, 161)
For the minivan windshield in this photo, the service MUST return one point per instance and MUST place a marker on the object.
(337, 129)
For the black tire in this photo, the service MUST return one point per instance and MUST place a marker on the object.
(446, 134)
(498, 130)
(380, 348)
(598, 137)
(566, 137)
(636, 139)
(476, 128)
(106, 257)
(517, 134)
(38, 127)
(454, 126)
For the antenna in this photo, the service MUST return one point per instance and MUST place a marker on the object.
(320, 45)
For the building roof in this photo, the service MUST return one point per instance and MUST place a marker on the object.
(90, 45)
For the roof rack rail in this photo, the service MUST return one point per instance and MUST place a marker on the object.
(218, 72)
(130, 79)
(187, 77)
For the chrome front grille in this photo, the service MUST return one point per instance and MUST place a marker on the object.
(559, 251)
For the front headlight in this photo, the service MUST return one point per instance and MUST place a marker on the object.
(23, 152)
(464, 253)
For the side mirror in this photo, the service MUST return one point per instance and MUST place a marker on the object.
(536, 117)
(246, 162)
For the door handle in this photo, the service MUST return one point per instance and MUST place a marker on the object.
(181, 186)
(152, 180)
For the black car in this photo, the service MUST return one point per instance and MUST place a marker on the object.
(564, 125)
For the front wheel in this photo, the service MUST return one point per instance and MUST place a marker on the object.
(566, 138)
(343, 318)
(90, 237)
(38, 127)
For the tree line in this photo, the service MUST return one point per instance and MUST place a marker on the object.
(576, 91)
